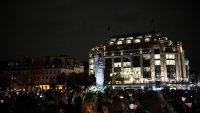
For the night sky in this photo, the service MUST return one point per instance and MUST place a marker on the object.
(51, 28)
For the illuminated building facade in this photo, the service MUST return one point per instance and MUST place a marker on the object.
(41, 71)
(141, 58)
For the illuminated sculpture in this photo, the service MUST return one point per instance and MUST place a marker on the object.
(99, 70)
(99, 75)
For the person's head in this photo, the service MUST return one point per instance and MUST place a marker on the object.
(153, 102)
(106, 107)
(118, 106)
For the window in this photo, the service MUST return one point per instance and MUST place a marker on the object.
(108, 53)
(136, 72)
(113, 39)
(170, 56)
(118, 64)
(157, 71)
(91, 71)
(91, 61)
(169, 50)
(146, 56)
(139, 37)
(147, 39)
(146, 72)
(121, 38)
(170, 62)
(117, 69)
(136, 69)
(156, 51)
(171, 71)
(137, 41)
(148, 35)
(128, 41)
(146, 62)
(111, 43)
(126, 64)
(91, 66)
(144, 51)
(157, 56)
(127, 58)
(157, 62)
(136, 61)
(129, 38)
(146, 69)
(117, 59)
(127, 70)
(119, 42)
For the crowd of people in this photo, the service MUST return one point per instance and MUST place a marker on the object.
(112, 101)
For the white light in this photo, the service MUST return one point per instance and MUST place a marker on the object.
(129, 38)
(121, 39)
(147, 39)
(170, 62)
(183, 99)
(113, 39)
(2, 101)
(117, 64)
(157, 56)
(181, 49)
(128, 41)
(132, 106)
(111, 43)
(154, 88)
(119, 42)
(137, 40)
(189, 104)
(91, 66)
(126, 64)
(170, 56)
(131, 80)
(157, 62)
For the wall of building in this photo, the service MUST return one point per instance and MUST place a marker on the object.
(141, 58)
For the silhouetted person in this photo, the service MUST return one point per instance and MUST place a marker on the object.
(153, 102)
(26, 104)
(118, 106)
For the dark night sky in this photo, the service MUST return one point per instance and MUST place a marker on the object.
(47, 27)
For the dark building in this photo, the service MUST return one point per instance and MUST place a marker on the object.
(41, 71)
